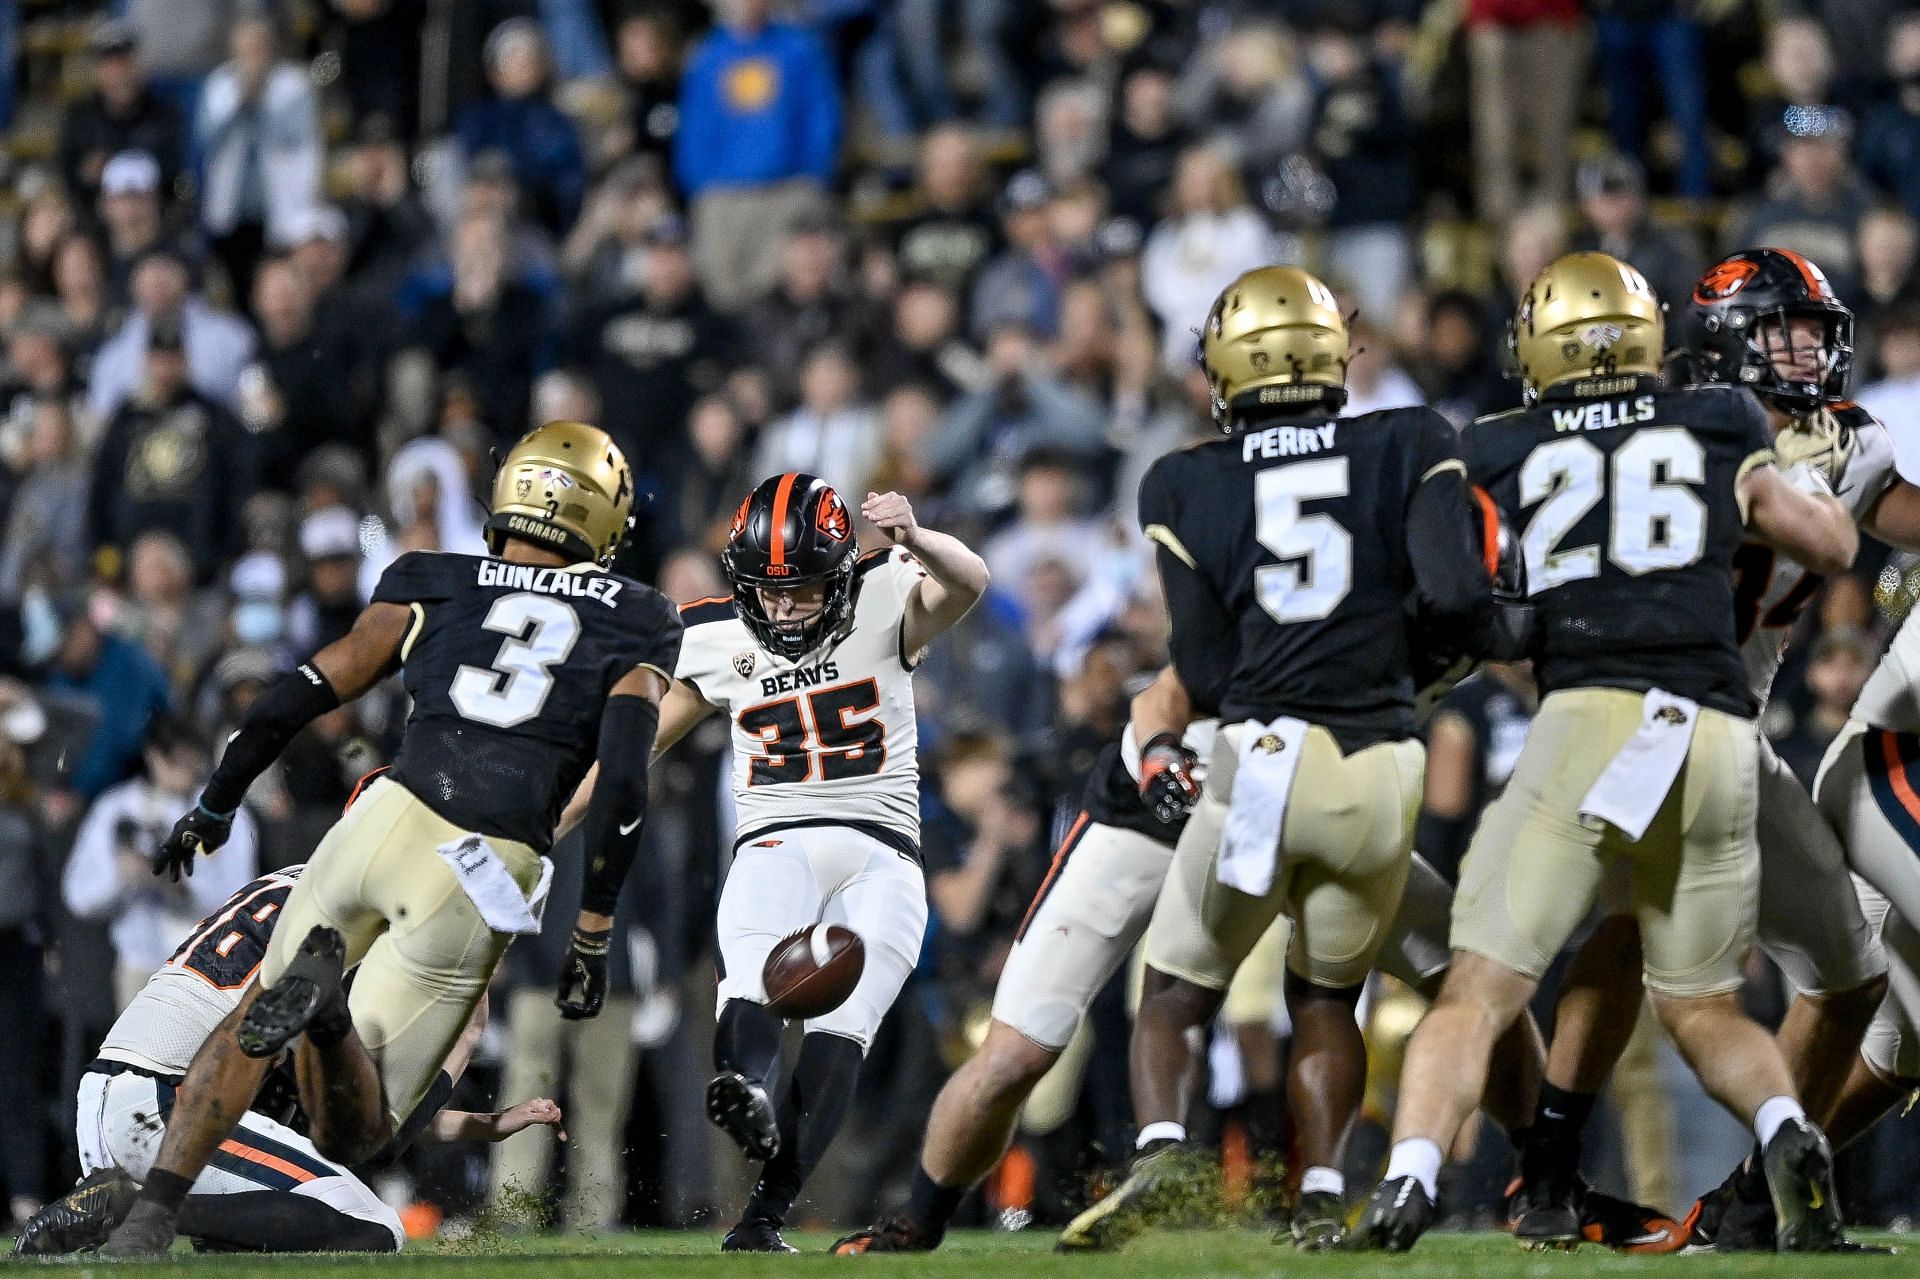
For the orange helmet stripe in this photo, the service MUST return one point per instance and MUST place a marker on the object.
(781, 496)
(1815, 285)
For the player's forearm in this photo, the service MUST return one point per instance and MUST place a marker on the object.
(619, 803)
(1895, 518)
(952, 565)
(289, 704)
(1161, 707)
(450, 1126)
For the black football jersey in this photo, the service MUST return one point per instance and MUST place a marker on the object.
(509, 667)
(1297, 531)
(1626, 514)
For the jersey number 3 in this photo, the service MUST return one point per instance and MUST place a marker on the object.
(540, 632)
(1655, 521)
(832, 746)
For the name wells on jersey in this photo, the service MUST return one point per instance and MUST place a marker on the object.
(550, 581)
(1604, 414)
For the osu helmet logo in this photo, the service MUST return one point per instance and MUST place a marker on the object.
(740, 518)
(1725, 279)
(830, 517)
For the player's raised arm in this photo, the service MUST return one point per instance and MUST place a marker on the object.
(613, 818)
(1812, 528)
(956, 577)
(338, 673)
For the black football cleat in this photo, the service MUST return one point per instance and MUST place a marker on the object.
(81, 1219)
(1397, 1214)
(889, 1234)
(1544, 1214)
(311, 992)
(147, 1231)
(1319, 1222)
(755, 1236)
(1799, 1167)
(741, 1108)
(1627, 1227)
(1131, 1206)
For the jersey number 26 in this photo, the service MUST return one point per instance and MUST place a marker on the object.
(1655, 522)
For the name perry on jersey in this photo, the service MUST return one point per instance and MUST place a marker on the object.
(1604, 414)
(1287, 441)
(798, 677)
(550, 581)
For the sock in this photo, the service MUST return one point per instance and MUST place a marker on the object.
(1561, 1115)
(824, 1081)
(274, 1221)
(1774, 1112)
(1165, 1130)
(1318, 1180)
(1419, 1158)
(1261, 1112)
(1519, 1138)
(167, 1189)
(747, 1040)
(931, 1205)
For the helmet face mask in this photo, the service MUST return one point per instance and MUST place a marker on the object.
(565, 486)
(1754, 316)
(791, 533)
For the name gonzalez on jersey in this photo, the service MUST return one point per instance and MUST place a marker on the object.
(550, 581)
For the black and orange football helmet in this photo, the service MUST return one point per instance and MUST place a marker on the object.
(1739, 312)
(791, 531)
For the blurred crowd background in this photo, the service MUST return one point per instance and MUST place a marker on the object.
(274, 280)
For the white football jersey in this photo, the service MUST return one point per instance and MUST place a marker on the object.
(830, 738)
(194, 990)
(1769, 589)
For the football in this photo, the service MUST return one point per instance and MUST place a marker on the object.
(811, 972)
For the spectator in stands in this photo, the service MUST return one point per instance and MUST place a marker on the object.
(43, 541)
(172, 459)
(982, 860)
(1212, 235)
(300, 392)
(1890, 140)
(219, 346)
(711, 471)
(1375, 379)
(1814, 201)
(1144, 143)
(1243, 92)
(326, 609)
(258, 136)
(109, 877)
(811, 304)
(1069, 130)
(652, 353)
(1021, 283)
(832, 434)
(923, 344)
(1528, 65)
(80, 297)
(1889, 250)
(1895, 398)
(44, 223)
(759, 137)
(951, 234)
(120, 114)
(1455, 367)
(1613, 204)
(647, 57)
(130, 210)
(1842, 659)
(181, 42)
(386, 225)
(605, 255)
(1048, 524)
(380, 47)
(114, 677)
(901, 70)
(520, 121)
(1663, 37)
(181, 629)
(487, 328)
(1799, 61)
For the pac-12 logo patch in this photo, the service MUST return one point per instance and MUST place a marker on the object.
(744, 663)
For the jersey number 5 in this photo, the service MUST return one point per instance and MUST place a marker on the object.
(1655, 521)
(836, 747)
(540, 632)
(1316, 555)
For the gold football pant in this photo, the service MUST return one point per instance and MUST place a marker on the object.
(423, 951)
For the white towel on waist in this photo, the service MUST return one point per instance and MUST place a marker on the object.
(490, 886)
(1269, 756)
(1629, 791)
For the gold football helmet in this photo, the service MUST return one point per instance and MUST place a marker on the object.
(1275, 336)
(565, 485)
(1587, 315)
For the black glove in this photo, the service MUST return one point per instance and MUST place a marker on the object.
(196, 833)
(583, 975)
(1167, 786)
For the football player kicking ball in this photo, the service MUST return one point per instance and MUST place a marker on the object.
(266, 1189)
(1289, 552)
(1633, 503)
(1765, 319)
(812, 662)
(519, 664)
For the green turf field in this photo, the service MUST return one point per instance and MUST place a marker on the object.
(984, 1255)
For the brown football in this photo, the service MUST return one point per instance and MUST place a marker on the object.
(811, 972)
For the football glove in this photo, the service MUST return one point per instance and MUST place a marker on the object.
(1821, 441)
(198, 832)
(583, 975)
(1167, 786)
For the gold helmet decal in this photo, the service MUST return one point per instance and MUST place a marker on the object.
(565, 485)
(1275, 336)
(1591, 318)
